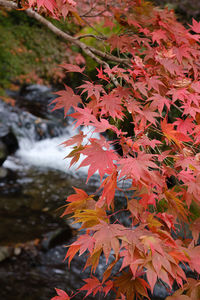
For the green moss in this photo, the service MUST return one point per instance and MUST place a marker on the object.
(27, 49)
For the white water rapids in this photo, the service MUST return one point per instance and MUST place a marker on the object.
(49, 153)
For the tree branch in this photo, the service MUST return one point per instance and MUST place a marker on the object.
(94, 53)
(91, 35)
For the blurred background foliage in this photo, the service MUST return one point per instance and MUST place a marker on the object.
(30, 53)
(184, 9)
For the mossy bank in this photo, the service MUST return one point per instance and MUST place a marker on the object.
(29, 52)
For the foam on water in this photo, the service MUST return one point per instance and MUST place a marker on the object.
(49, 153)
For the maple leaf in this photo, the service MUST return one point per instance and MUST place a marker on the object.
(109, 185)
(100, 75)
(137, 167)
(108, 286)
(72, 68)
(159, 102)
(66, 99)
(79, 196)
(49, 4)
(83, 116)
(147, 199)
(158, 35)
(82, 244)
(152, 243)
(73, 249)
(185, 126)
(117, 42)
(62, 295)
(182, 51)
(92, 286)
(173, 135)
(76, 139)
(194, 262)
(80, 200)
(149, 115)
(135, 208)
(90, 217)
(130, 287)
(155, 83)
(93, 260)
(132, 259)
(175, 204)
(106, 236)
(75, 154)
(142, 87)
(105, 157)
(119, 72)
(171, 66)
(151, 276)
(167, 219)
(111, 104)
(145, 141)
(92, 89)
(196, 86)
(195, 26)
(194, 227)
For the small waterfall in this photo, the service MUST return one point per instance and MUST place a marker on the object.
(39, 131)
(49, 153)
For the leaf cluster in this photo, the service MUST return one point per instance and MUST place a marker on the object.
(156, 70)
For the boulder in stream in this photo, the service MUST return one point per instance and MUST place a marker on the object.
(8, 142)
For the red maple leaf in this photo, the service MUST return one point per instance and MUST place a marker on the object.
(97, 158)
(172, 134)
(184, 126)
(92, 286)
(137, 167)
(100, 75)
(158, 35)
(72, 68)
(106, 237)
(76, 139)
(66, 99)
(159, 102)
(92, 89)
(111, 104)
(109, 185)
(62, 295)
(49, 4)
(195, 26)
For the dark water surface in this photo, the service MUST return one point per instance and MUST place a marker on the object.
(29, 218)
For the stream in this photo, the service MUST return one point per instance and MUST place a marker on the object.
(34, 183)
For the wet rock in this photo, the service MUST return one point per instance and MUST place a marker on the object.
(8, 141)
(36, 99)
(32, 91)
(5, 252)
(3, 153)
(160, 292)
(56, 237)
(188, 272)
(11, 142)
(16, 124)
(3, 173)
